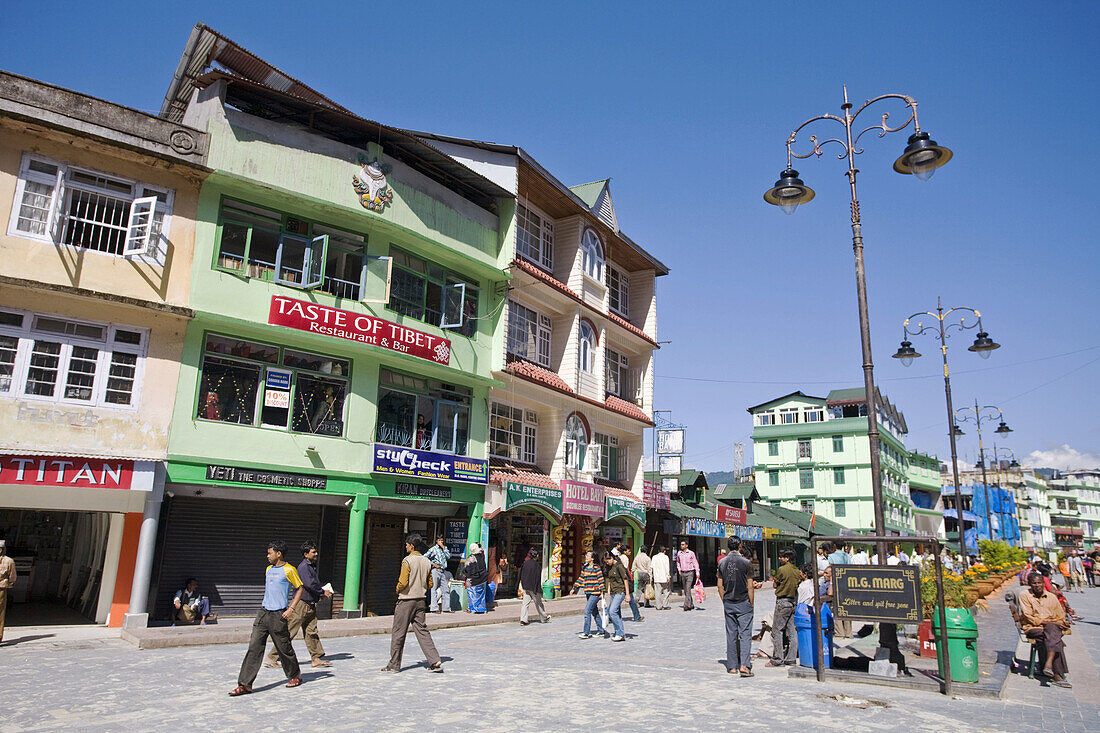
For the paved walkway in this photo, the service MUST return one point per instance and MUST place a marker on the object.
(539, 677)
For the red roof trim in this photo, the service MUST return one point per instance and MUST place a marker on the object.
(546, 277)
(635, 414)
(618, 404)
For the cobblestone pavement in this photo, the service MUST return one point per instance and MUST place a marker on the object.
(668, 676)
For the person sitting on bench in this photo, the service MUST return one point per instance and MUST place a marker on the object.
(191, 605)
(1042, 617)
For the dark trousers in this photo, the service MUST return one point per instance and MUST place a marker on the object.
(687, 582)
(1051, 635)
(783, 626)
(268, 623)
(738, 634)
(414, 612)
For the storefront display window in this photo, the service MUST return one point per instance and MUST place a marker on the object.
(424, 414)
(241, 378)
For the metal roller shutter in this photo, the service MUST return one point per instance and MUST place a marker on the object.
(340, 566)
(383, 566)
(222, 543)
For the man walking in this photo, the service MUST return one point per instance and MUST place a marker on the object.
(438, 557)
(786, 580)
(642, 576)
(279, 579)
(737, 591)
(412, 586)
(305, 613)
(7, 582)
(530, 580)
(1077, 571)
(662, 578)
(687, 564)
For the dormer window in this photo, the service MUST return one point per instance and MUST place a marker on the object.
(534, 237)
(592, 255)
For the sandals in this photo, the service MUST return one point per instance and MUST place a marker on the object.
(294, 682)
(747, 674)
(241, 690)
(1061, 683)
(321, 663)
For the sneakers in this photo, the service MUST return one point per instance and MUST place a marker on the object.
(548, 617)
(437, 667)
(390, 669)
(583, 635)
(524, 623)
(618, 638)
(639, 619)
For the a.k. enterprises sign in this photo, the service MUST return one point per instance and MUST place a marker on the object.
(400, 461)
(517, 494)
(365, 329)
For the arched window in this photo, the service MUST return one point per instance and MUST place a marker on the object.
(576, 442)
(587, 350)
(593, 255)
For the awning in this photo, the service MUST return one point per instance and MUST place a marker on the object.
(686, 511)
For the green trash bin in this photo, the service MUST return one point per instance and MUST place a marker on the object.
(962, 644)
(456, 596)
(548, 590)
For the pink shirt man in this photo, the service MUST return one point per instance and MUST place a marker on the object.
(686, 560)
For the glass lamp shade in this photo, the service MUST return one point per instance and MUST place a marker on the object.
(921, 157)
(906, 353)
(789, 192)
(983, 345)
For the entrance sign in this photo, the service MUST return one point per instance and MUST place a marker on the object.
(884, 594)
(619, 506)
(517, 494)
(392, 459)
(732, 515)
(587, 500)
(338, 323)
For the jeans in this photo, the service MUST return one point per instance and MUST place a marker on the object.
(783, 625)
(634, 607)
(615, 613)
(440, 594)
(590, 613)
(687, 583)
(738, 634)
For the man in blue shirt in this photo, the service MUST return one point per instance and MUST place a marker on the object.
(839, 557)
(280, 579)
(438, 555)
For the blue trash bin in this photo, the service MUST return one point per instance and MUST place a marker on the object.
(807, 648)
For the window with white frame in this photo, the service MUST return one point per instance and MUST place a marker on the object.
(788, 415)
(592, 255)
(586, 353)
(58, 359)
(807, 505)
(612, 457)
(618, 291)
(534, 236)
(576, 443)
(423, 413)
(512, 433)
(529, 334)
(77, 207)
(815, 414)
(767, 417)
(620, 379)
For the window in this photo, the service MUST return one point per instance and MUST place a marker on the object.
(804, 450)
(814, 415)
(592, 255)
(274, 247)
(773, 478)
(805, 478)
(427, 292)
(840, 507)
(765, 418)
(807, 505)
(46, 357)
(621, 381)
(618, 291)
(422, 413)
(586, 354)
(773, 447)
(610, 457)
(788, 415)
(94, 211)
(838, 444)
(250, 383)
(534, 237)
(529, 334)
(512, 433)
(576, 443)
(838, 476)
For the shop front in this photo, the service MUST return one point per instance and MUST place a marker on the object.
(523, 515)
(583, 508)
(624, 520)
(752, 540)
(71, 525)
(657, 504)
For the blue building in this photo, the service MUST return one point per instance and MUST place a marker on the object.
(1001, 514)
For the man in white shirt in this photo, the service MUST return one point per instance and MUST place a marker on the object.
(662, 578)
(861, 557)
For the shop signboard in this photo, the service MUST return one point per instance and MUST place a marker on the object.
(454, 537)
(869, 593)
(670, 485)
(703, 527)
(518, 494)
(277, 389)
(746, 533)
(654, 497)
(584, 499)
(398, 461)
(359, 327)
(670, 441)
(620, 506)
(99, 473)
(266, 478)
(731, 515)
(423, 491)
(670, 465)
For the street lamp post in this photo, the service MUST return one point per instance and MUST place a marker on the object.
(983, 346)
(977, 415)
(921, 157)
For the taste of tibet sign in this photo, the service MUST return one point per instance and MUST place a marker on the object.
(322, 319)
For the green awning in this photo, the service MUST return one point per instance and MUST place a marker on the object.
(688, 511)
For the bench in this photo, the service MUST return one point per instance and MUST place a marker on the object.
(1032, 645)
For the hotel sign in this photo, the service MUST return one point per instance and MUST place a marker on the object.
(583, 499)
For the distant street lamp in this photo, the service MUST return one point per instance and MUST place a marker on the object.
(982, 345)
(1013, 465)
(976, 415)
(921, 157)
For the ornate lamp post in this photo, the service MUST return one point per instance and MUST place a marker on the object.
(977, 415)
(921, 157)
(982, 345)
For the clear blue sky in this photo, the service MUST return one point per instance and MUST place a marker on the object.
(687, 112)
